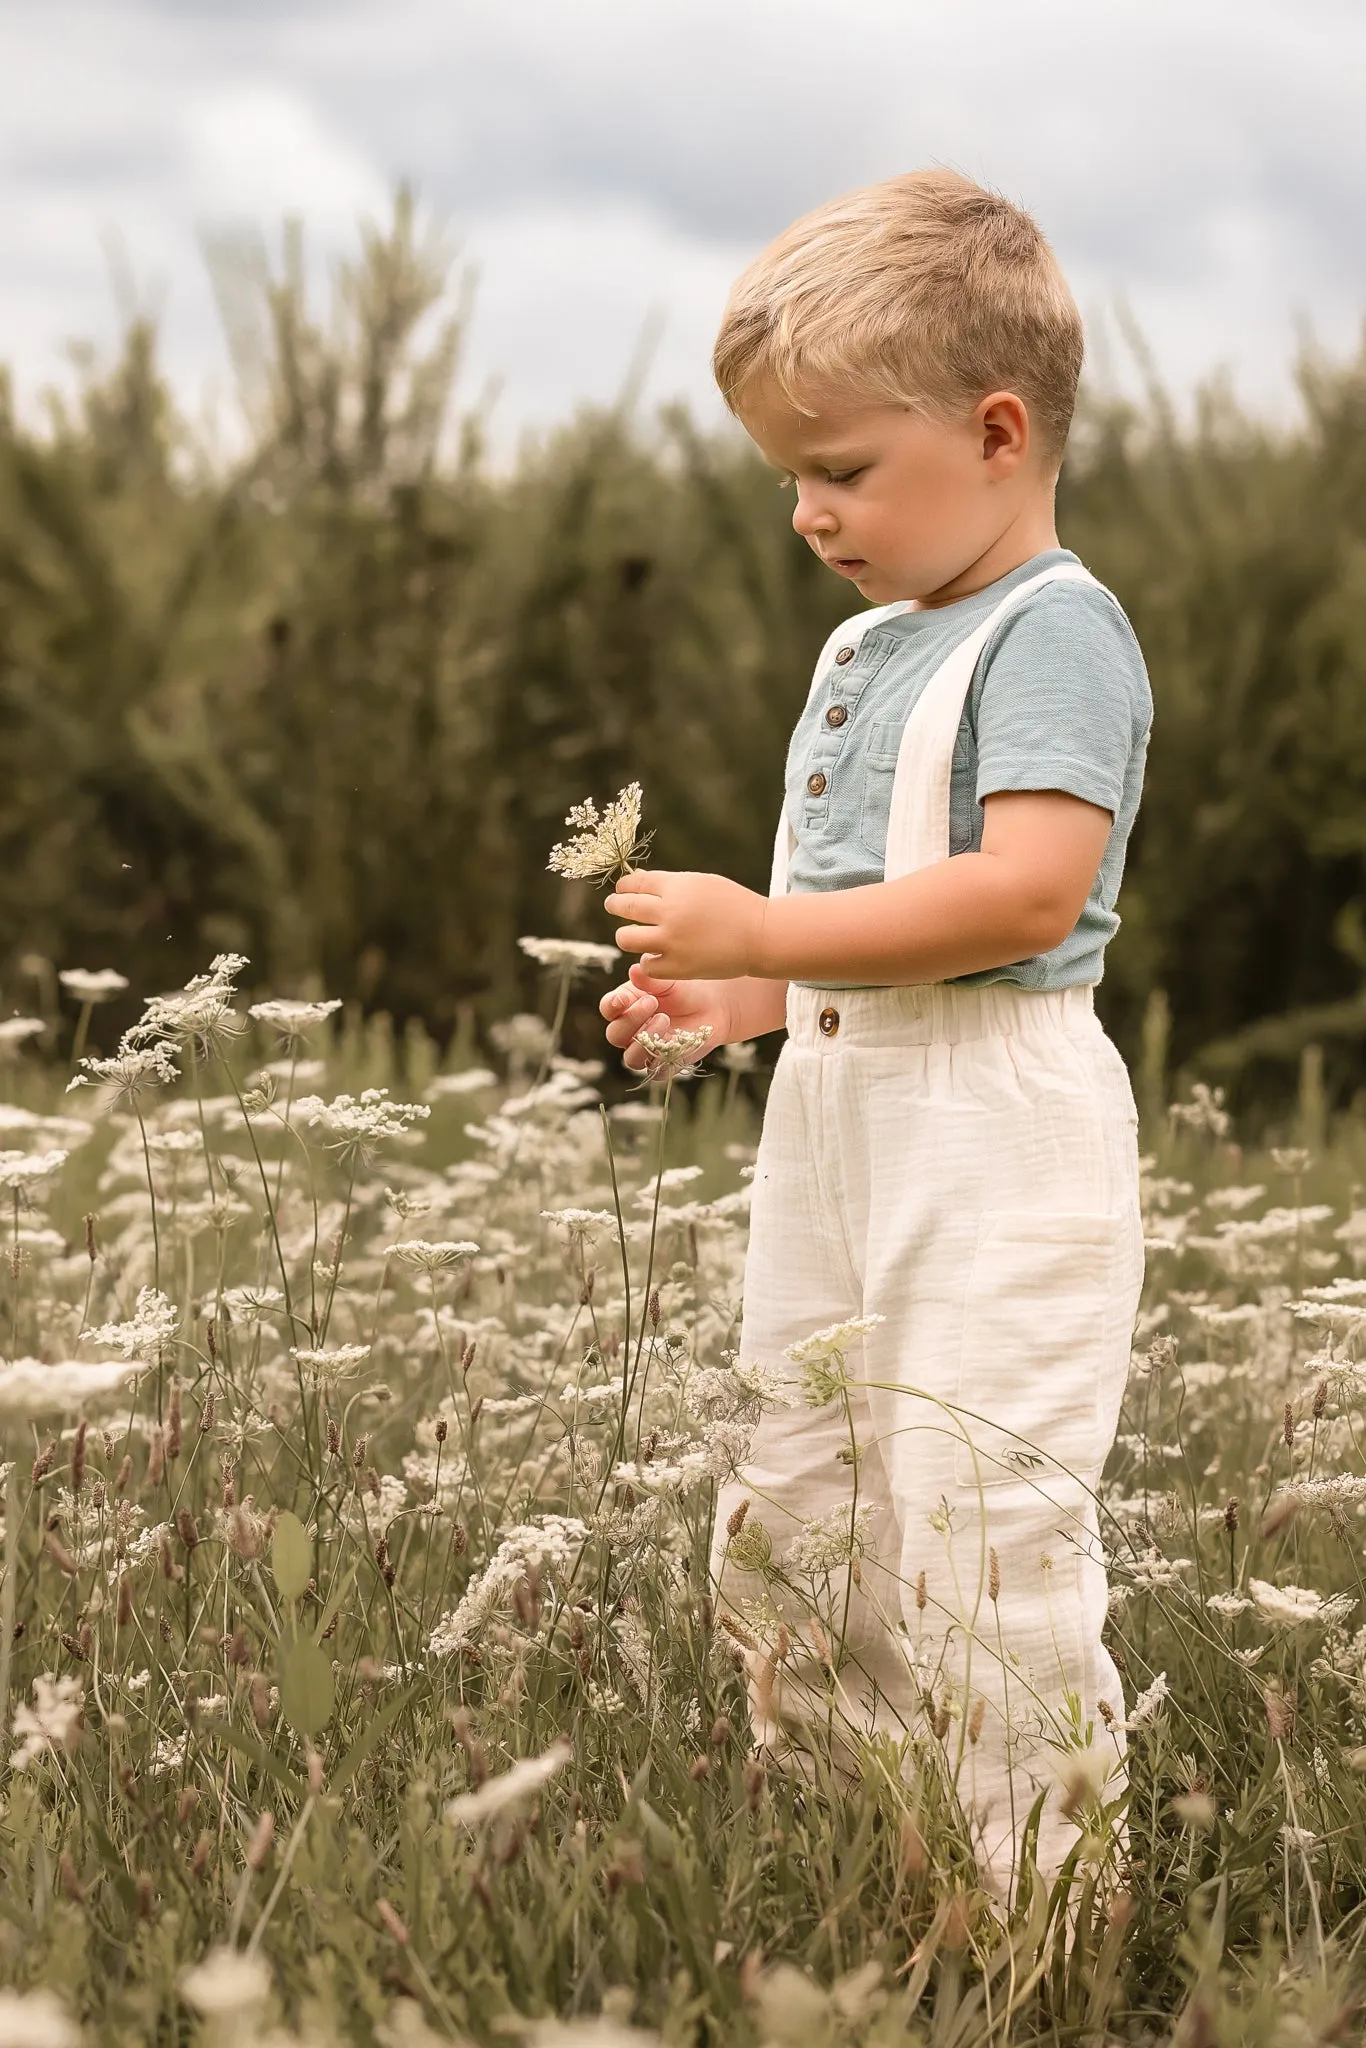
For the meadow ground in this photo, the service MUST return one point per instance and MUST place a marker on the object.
(357, 1644)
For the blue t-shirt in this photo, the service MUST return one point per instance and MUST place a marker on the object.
(1059, 700)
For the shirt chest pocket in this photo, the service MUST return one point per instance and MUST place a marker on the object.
(884, 747)
(879, 772)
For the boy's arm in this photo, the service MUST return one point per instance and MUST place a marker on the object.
(1020, 895)
(760, 1006)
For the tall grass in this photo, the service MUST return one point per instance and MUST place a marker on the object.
(365, 1681)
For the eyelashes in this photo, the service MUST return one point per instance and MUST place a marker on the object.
(848, 476)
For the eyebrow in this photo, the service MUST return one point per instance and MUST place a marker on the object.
(851, 457)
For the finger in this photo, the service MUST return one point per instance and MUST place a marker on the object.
(636, 1056)
(622, 1000)
(629, 1020)
(624, 1029)
(645, 881)
(645, 909)
(637, 938)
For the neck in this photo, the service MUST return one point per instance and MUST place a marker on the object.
(1030, 533)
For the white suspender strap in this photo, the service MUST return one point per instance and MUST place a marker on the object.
(918, 827)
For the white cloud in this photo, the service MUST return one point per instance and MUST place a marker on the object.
(570, 297)
(1206, 161)
(257, 150)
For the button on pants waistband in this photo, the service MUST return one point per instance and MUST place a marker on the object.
(932, 1013)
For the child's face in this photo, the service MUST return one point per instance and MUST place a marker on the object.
(899, 504)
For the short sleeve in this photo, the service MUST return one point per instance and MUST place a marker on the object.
(1061, 697)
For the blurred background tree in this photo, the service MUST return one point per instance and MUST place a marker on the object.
(327, 701)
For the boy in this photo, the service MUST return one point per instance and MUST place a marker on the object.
(947, 1180)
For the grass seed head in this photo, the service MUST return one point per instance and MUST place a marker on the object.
(912, 1856)
(263, 1835)
(1280, 1714)
(392, 1923)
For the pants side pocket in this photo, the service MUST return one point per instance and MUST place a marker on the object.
(1041, 1331)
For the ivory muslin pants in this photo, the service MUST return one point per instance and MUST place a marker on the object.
(961, 1162)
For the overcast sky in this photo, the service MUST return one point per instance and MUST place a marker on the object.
(1202, 160)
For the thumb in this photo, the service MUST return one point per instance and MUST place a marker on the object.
(648, 983)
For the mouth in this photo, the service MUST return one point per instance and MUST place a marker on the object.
(845, 565)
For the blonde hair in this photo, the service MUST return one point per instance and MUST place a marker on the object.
(926, 291)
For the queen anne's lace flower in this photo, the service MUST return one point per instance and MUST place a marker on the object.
(821, 1356)
(675, 1057)
(572, 957)
(828, 1541)
(24, 1170)
(252, 1304)
(1296, 1606)
(129, 1076)
(605, 1393)
(338, 1362)
(509, 1789)
(429, 1257)
(227, 1982)
(469, 1082)
(1340, 1318)
(53, 1722)
(549, 1542)
(200, 1015)
(833, 1341)
(582, 1225)
(99, 985)
(36, 2019)
(1149, 1701)
(1204, 1112)
(739, 1391)
(16, 1031)
(153, 1323)
(294, 1020)
(604, 845)
(367, 1510)
(1152, 1569)
(354, 1126)
(30, 1388)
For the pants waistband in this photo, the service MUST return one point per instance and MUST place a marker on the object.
(931, 1013)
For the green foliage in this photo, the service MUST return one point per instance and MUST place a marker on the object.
(327, 701)
(1239, 551)
(291, 1557)
(307, 1691)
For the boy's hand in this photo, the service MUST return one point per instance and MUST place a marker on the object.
(690, 926)
(644, 1003)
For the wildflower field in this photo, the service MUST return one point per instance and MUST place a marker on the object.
(363, 1410)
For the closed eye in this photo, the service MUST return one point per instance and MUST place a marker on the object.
(845, 476)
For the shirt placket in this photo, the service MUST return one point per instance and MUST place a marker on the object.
(852, 669)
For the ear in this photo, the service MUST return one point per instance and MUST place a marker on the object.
(1003, 423)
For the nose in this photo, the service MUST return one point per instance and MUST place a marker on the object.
(810, 517)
